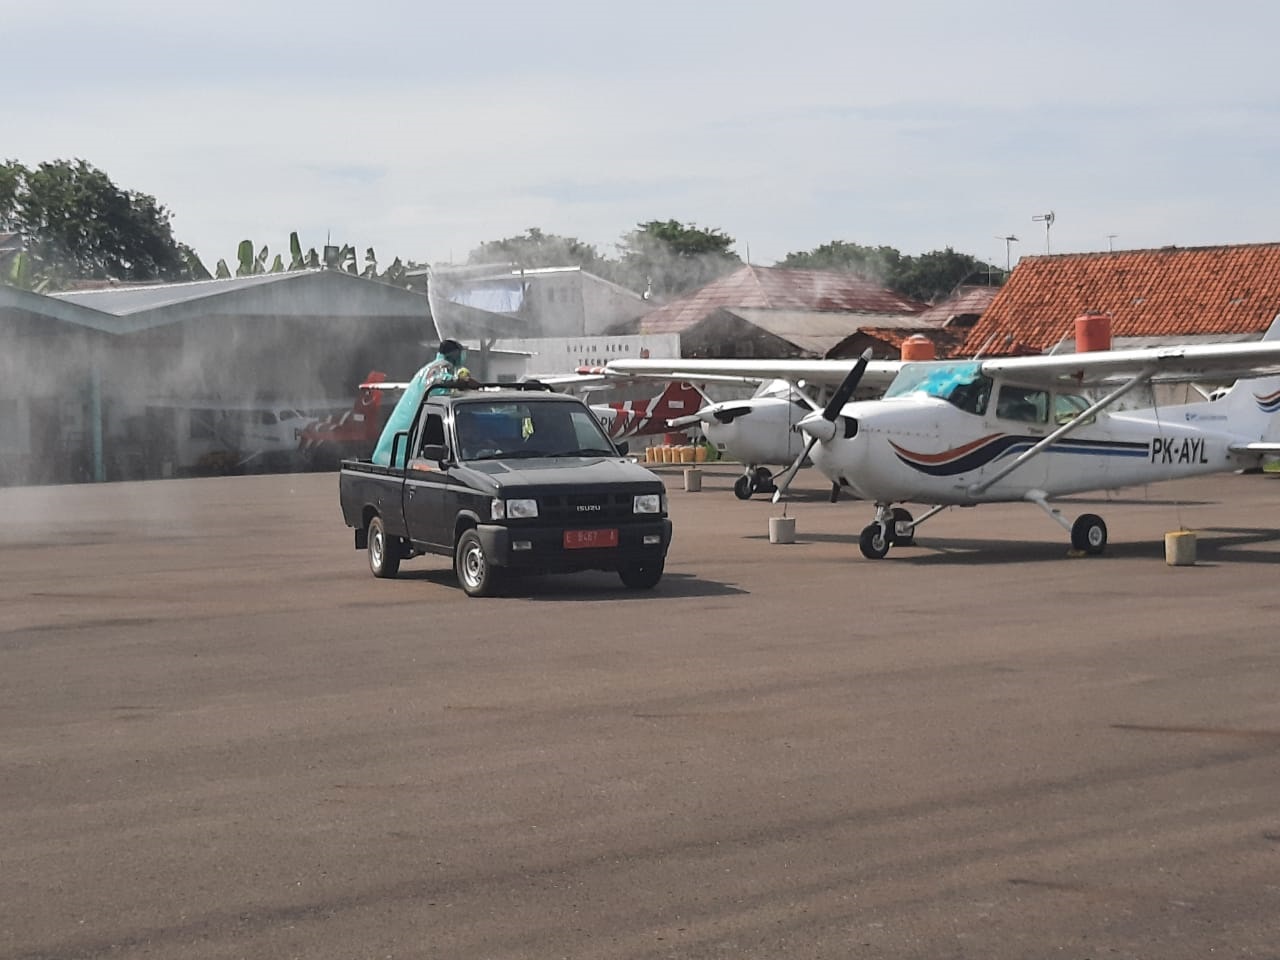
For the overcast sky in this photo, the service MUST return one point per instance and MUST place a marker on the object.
(424, 129)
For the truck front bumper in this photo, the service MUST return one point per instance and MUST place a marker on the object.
(542, 549)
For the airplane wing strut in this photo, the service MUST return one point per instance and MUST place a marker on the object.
(1135, 381)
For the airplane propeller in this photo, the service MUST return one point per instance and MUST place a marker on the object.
(823, 426)
(715, 412)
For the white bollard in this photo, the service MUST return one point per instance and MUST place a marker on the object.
(692, 480)
(1180, 548)
(782, 529)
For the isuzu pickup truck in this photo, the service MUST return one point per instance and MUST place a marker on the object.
(508, 479)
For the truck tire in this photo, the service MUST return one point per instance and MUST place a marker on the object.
(384, 550)
(641, 575)
(478, 577)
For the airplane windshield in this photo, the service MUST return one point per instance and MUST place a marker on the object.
(960, 384)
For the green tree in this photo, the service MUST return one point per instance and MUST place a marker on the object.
(933, 275)
(668, 258)
(927, 277)
(537, 249)
(879, 264)
(77, 224)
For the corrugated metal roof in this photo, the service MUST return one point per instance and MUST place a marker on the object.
(123, 300)
(1170, 292)
(777, 288)
(39, 305)
(964, 301)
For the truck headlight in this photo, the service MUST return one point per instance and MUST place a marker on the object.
(647, 503)
(513, 509)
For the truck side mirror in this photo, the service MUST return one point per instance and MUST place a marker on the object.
(435, 451)
(623, 447)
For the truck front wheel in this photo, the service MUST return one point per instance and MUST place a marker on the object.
(479, 578)
(384, 550)
(641, 575)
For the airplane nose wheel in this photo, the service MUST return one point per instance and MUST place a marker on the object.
(759, 480)
(874, 542)
(1089, 534)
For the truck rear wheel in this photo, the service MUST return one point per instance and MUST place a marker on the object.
(478, 577)
(384, 550)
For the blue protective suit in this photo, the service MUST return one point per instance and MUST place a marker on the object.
(402, 416)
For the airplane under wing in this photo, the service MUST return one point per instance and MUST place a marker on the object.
(828, 373)
(1210, 361)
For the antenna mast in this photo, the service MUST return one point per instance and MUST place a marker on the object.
(1047, 219)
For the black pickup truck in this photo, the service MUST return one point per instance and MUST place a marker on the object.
(508, 479)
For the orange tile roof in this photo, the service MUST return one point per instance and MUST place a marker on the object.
(777, 288)
(1190, 291)
(944, 341)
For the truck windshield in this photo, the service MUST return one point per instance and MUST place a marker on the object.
(960, 384)
(508, 429)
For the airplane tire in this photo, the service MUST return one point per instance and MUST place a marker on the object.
(641, 576)
(478, 577)
(1089, 534)
(901, 515)
(743, 487)
(874, 544)
(384, 550)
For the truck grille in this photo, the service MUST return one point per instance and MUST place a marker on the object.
(587, 508)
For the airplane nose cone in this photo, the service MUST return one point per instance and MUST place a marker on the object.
(817, 426)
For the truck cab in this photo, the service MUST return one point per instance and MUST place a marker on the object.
(508, 481)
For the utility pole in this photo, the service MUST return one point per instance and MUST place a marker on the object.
(1110, 237)
(1047, 219)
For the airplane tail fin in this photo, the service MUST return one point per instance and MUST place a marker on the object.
(678, 399)
(1250, 407)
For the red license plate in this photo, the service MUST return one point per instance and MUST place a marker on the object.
(579, 539)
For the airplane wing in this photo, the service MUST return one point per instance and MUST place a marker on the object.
(1208, 361)
(830, 373)
(571, 379)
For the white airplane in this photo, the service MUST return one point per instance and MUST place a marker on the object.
(967, 432)
(759, 431)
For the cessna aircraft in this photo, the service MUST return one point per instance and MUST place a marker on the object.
(965, 432)
(758, 431)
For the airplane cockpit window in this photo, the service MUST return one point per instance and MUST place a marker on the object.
(1068, 406)
(960, 384)
(1024, 404)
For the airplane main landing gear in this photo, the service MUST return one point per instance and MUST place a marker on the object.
(1089, 534)
(752, 482)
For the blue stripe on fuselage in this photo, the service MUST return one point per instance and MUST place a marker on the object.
(1005, 446)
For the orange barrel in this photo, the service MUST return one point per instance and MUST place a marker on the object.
(667, 450)
(648, 454)
(1093, 332)
(918, 347)
(686, 454)
(700, 453)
